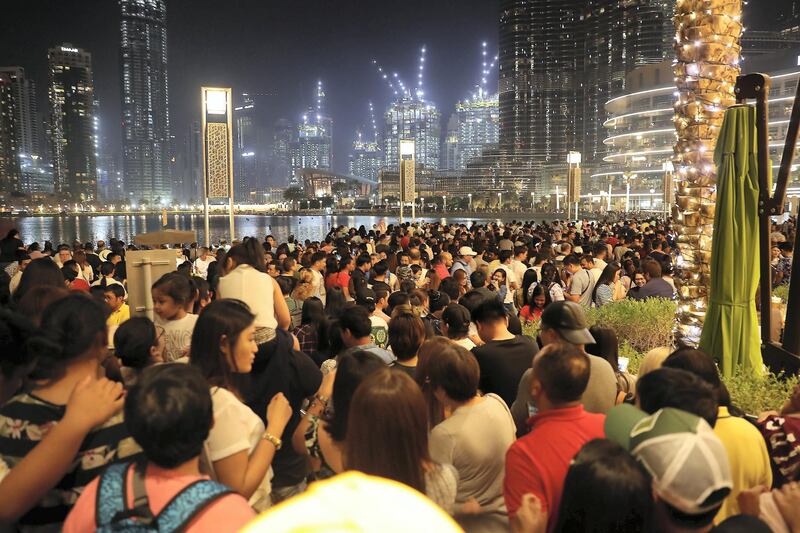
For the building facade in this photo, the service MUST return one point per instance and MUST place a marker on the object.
(415, 119)
(283, 136)
(71, 98)
(9, 152)
(145, 100)
(478, 127)
(245, 146)
(641, 133)
(313, 145)
(366, 160)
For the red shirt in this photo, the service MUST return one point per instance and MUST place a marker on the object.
(441, 271)
(538, 462)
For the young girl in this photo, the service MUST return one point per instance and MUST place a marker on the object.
(499, 281)
(171, 293)
(238, 451)
(532, 311)
(138, 343)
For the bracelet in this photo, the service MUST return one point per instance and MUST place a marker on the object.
(321, 399)
(272, 439)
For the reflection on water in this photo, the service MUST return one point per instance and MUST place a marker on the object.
(58, 229)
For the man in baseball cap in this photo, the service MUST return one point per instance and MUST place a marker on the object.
(565, 321)
(465, 261)
(688, 463)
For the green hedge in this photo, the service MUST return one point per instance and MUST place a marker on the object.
(643, 325)
(639, 325)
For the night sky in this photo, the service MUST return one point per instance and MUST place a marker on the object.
(280, 47)
(269, 46)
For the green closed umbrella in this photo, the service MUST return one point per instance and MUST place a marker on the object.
(731, 332)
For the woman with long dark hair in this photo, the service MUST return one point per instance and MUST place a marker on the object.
(335, 302)
(66, 355)
(321, 433)
(42, 272)
(387, 436)
(238, 451)
(552, 282)
(603, 292)
(606, 345)
(313, 323)
(523, 296)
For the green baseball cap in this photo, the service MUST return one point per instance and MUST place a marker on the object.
(688, 463)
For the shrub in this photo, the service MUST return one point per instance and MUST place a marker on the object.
(756, 394)
(782, 292)
(643, 325)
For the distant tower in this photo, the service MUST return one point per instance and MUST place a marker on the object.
(283, 135)
(366, 159)
(414, 119)
(9, 159)
(71, 95)
(313, 147)
(145, 102)
(245, 146)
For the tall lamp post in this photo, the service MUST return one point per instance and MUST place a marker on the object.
(669, 187)
(573, 182)
(629, 177)
(469, 195)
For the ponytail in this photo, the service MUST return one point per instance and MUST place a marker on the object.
(250, 252)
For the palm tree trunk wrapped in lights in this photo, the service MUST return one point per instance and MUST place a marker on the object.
(708, 48)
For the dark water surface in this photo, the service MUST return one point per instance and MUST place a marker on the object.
(66, 228)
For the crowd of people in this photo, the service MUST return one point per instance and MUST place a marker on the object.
(398, 352)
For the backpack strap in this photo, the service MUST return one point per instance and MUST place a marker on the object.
(188, 503)
(111, 494)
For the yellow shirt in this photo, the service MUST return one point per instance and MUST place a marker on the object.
(119, 316)
(747, 456)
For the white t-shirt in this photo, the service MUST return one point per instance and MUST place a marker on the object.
(201, 266)
(466, 342)
(319, 286)
(177, 336)
(380, 331)
(510, 278)
(254, 288)
(236, 428)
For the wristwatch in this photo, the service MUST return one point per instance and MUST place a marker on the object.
(273, 439)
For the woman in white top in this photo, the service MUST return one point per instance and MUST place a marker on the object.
(238, 451)
(246, 281)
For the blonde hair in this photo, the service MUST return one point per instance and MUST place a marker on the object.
(653, 360)
(305, 285)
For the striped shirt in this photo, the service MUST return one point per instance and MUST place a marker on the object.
(25, 420)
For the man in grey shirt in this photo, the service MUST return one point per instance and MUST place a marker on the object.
(565, 321)
(581, 284)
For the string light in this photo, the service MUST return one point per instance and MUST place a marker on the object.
(708, 49)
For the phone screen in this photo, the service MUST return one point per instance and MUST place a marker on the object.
(622, 362)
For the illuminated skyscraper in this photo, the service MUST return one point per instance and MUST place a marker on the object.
(313, 147)
(145, 102)
(478, 126)
(9, 158)
(366, 160)
(415, 119)
(71, 96)
(561, 61)
(283, 135)
(245, 166)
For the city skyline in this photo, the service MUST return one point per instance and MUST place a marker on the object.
(250, 59)
(560, 91)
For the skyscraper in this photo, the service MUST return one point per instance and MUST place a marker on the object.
(478, 126)
(412, 118)
(283, 135)
(245, 161)
(366, 159)
(561, 61)
(71, 96)
(145, 102)
(313, 145)
(9, 160)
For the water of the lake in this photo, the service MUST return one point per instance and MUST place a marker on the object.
(66, 228)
